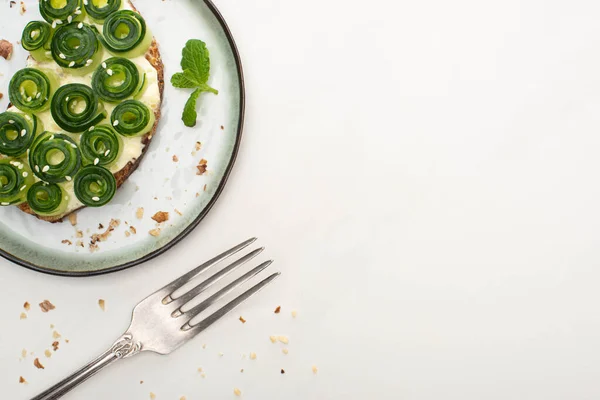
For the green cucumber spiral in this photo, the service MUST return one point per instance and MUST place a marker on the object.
(75, 108)
(59, 12)
(30, 90)
(47, 199)
(95, 186)
(132, 118)
(54, 157)
(36, 39)
(99, 13)
(125, 31)
(15, 180)
(116, 79)
(16, 133)
(75, 46)
(101, 146)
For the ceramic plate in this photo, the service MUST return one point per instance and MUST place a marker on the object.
(159, 184)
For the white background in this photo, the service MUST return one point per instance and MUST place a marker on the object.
(426, 176)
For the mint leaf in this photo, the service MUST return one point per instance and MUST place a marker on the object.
(196, 60)
(205, 88)
(189, 111)
(184, 80)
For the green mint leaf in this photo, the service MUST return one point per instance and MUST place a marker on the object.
(189, 111)
(205, 88)
(196, 60)
(184, 80)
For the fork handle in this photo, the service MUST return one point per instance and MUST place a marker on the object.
(124, 347)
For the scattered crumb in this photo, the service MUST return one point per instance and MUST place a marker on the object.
(154, 232)
(220, 354)
(204, 189)
(47, 353)
(201, 167)
(127, 233)
(23, 8)
(283, 339)
(132, 229)
(65, 241)
(79, 234)
(100, 226)
(101, 237)
(277, 310)
(37, 364)
(24, 353)
(175, 158)
(198, 194)
(80, 243)
(51, 326)
(101, 303)
(200, 369)
(73, 219)
(55, 345)
(22, 380)
(242, 370)
(141, 382)
(273, 339)
(237, 391)
(46, 306)
(253, 356)
(1, 96)
(178, 212)
(242, 320)
(282, 371)
(203, 375)
(314, 369)
(198, 146)
(66, 340)
(93, 247)
(285, 351)
(204, 346)
(23, 316)
(6, 49)
(222, 127)
(12, 3)
(294, 314)
(161, 216)
(182, 398)
(140, 213)
(55, 335)
(152, 396)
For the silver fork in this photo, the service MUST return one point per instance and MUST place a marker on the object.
(159, 323)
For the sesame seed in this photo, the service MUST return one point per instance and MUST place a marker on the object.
(80, 25)
(10, 121)
(23, 132)
(77, 12)
(89, 62)
(61, 55)
(109, 72)
(20, 166)
(37, 96)
(73, 145)
(72, 63)
(69, 19)
(58, 21)
(104, 65)
(85, 2)
(5, 204)
(106, 153)
(51, 137)
(116, 122)
(29, 98)
(25, 174)
(13, 163)
(67, 98)
(46, 168)
(96, 198)
(37, 168)
(68, 178)
(23, 188)
(92, 128)
(54, 24)
(96, 161)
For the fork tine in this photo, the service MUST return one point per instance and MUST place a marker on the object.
(208, 321)
(185, 278)
(189, 295)
(221, 293)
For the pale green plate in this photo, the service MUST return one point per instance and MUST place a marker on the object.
(159, 184)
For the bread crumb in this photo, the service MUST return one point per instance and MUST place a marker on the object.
(80, 243)
(220, 354)
(46, 306)
(37, 364)
(132, 229)
(294, 314)
(222, 127)
(175, 158)
(73, 219)
(24, 353)
(1, 96)
(141, 382)
(198, 146)
(178, 212)
(55, 335)
(253, 356)
(273, 339)
(140, 213)
(12, 3)
(201, 167)
(204, 188)
(47, 353)
(6, 49)
(283, 339)
(198, 194)
(23, 8)
(182, 398)
(101, 303)
(66, 340)
(23, 316)
(66, 241)
(314, 369)
(152, 396)
(200, 369)
(282, 371)
(242, 370)
(237, 392)
(100, 226)
(161, 216)
(79, 234)
(51, 326)
(284, 351)
(203, 375)
(154, 232)
(204, 346)
(127, 233)
(55, 345)
(242, 320)
(102, 237)
(277, 310)
(22, 380)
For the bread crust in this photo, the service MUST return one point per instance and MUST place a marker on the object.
(153, 56)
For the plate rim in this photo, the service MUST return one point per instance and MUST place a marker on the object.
(238, 138)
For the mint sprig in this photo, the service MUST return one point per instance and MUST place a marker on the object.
(195, 63)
